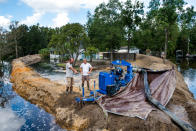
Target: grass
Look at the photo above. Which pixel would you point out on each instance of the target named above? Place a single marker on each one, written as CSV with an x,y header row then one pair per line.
x,y
61,65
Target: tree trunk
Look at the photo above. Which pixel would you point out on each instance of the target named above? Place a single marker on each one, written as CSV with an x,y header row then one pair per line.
x,y
129,41
91,58
166,44
76,58
60,57
188,50
0,55
128,48
111,55
16,47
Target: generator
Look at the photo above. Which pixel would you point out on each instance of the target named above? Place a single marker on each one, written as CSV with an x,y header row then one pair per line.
x,y
111,82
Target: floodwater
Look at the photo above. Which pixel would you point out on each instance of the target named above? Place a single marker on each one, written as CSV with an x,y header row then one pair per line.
x,y
188,69
17,114
59,76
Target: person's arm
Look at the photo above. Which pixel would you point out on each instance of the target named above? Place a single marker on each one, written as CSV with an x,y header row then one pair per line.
x,y
91,68
74,70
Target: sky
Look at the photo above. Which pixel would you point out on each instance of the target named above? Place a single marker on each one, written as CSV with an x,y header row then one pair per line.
x,y
51,13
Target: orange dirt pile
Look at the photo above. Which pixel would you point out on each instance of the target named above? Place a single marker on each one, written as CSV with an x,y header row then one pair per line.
x,y
51,96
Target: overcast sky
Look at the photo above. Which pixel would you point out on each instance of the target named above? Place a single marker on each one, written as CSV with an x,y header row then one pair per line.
x,y
53,13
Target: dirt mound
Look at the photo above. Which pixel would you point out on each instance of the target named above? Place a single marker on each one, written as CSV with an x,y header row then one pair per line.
x,y
51,96
151,62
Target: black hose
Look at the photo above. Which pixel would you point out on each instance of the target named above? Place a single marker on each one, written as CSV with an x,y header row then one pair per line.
x,y
185,126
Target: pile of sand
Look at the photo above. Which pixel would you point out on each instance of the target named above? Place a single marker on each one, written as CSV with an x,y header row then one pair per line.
x,y
51,96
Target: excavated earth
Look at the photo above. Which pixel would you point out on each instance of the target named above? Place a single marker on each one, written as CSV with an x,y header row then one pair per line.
x,y
50,96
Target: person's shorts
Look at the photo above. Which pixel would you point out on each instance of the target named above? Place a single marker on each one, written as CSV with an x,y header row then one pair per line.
x,y
69,81
85,78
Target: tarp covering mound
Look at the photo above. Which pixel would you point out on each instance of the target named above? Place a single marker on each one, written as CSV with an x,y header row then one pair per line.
x,y
131,100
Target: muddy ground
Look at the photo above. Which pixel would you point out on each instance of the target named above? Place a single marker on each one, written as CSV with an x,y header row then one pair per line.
x,y
51,96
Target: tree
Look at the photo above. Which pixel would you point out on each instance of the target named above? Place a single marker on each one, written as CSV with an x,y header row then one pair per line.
x,y
131,18
104,28
186,24
90,51
5,47
28,40
23,40
69,39
148,36
45,53
193,39
166,16
37,39
14,35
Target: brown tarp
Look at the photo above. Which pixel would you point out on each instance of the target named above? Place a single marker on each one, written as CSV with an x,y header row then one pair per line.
x,y
131,101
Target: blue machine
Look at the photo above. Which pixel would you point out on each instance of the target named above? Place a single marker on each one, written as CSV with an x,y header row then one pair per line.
x,y
110,82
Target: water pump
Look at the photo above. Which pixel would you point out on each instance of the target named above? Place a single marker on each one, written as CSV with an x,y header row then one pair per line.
x,y
110,83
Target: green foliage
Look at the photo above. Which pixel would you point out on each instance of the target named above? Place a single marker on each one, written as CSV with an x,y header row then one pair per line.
x,y
185,39
90,51
45,53
61,65
166,26
26,40
164,15
166,18
131,18
5,48
104,28
69,39
193,39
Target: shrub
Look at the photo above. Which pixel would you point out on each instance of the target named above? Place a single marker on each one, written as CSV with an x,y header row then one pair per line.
x,y
45,53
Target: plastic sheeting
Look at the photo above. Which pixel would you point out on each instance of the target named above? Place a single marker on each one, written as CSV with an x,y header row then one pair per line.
x,y
131,101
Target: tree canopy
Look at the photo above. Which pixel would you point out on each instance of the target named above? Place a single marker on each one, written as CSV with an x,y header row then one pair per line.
x,y
166,26
69,39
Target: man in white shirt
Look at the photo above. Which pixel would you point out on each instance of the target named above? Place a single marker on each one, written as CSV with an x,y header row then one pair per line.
x,y
85,69
69,75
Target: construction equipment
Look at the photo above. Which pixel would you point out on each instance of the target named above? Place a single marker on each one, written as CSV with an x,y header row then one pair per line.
x,y
110,82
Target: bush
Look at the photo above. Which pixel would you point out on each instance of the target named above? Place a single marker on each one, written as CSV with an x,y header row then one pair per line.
x,y
45,53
